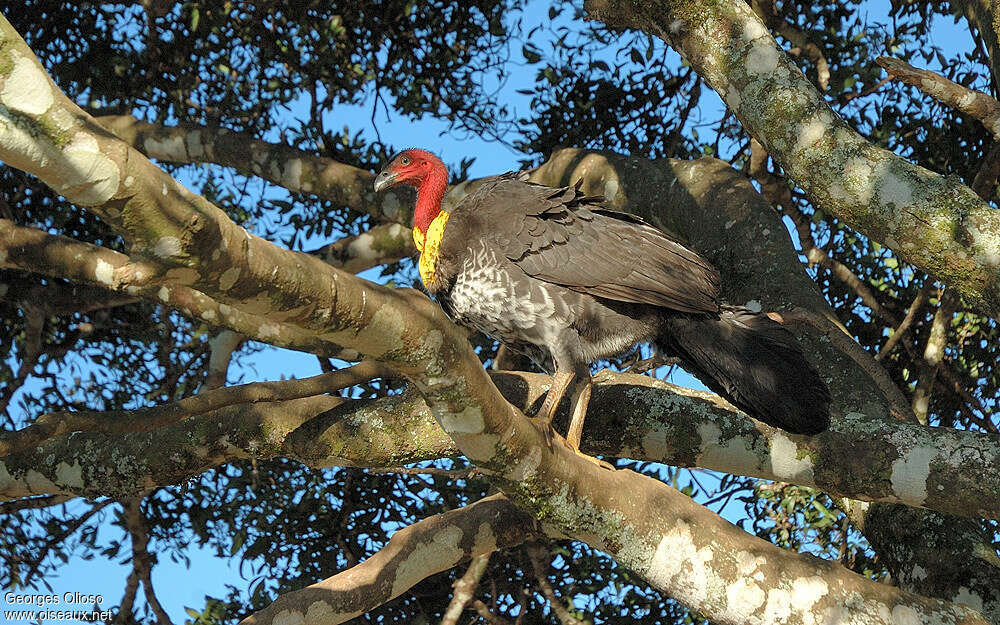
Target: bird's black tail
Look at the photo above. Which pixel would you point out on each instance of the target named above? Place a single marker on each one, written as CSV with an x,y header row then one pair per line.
x,y
754,363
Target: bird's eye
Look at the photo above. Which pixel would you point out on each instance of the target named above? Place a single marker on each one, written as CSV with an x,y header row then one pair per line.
x,y
405,160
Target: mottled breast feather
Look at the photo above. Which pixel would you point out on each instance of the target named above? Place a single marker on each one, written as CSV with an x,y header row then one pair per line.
x,y
562,236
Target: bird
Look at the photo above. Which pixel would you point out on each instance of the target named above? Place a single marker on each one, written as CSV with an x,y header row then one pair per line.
x,y
551,273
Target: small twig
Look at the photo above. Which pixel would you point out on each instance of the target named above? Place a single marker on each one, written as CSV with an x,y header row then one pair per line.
x,y
484,612
465,588
61,536
911,314
33,503
142,561
538,555
937,340
454,475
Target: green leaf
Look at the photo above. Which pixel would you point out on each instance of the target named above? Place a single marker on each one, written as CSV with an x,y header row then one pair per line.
x,y
195,18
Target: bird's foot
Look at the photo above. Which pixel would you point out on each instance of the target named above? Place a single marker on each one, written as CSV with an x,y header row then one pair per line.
x,y
597,461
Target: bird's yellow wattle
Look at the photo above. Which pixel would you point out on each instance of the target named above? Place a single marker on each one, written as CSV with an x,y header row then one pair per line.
x,y
418,239
428,247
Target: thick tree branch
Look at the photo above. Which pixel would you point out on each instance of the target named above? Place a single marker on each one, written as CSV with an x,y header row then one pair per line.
x,y
283,165
33,250
930,220
427,547
133,421
631,416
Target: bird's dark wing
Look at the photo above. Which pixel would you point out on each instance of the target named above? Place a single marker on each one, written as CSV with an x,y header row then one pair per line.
x,y
564,237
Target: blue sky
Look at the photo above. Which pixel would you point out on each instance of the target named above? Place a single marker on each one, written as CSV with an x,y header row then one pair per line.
x,y
179,586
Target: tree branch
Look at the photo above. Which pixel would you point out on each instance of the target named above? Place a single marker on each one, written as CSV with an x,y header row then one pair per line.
x,y
133,421
465,589
282,165
975,104
33,250
427,547
631,416
381,244
930,220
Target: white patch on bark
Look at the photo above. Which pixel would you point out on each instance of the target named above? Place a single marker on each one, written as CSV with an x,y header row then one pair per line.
x,y
438,554
469,421
610,190
194,145
806,592
675,26
68,475
763,58
527,466
753,29
289,617
910,472
169,148
753,306
27,89
809,133
919,573
292,176
6,479
38,483
858,173
268,330
167,247
733,98
104,272
751,565
969,598
678,564
229,278
163,294
895,190
779,605
743,597
785,464
90,178
731,455
905,615
208,315
390,205
486,540
988,247
320,612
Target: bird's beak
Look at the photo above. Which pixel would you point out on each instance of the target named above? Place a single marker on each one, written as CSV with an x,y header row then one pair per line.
x,y
385,180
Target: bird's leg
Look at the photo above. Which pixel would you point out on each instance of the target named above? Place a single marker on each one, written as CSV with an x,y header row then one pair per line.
x,y
560,382
579,401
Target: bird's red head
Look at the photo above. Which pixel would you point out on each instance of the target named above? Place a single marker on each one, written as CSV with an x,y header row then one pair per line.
x,y
420,169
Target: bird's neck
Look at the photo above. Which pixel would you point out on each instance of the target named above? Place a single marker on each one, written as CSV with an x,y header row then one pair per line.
x,y
429,196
